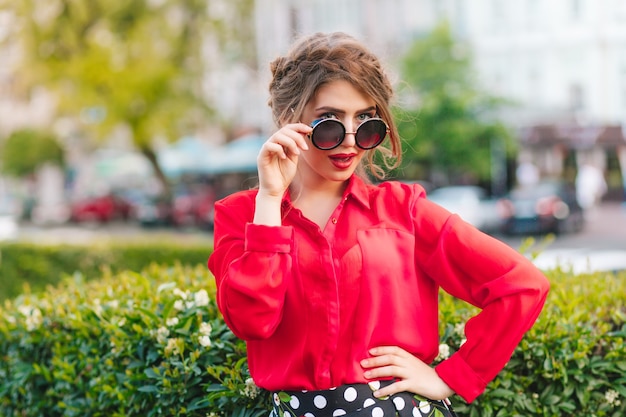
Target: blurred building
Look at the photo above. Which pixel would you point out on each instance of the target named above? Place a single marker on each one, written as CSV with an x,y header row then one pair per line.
x,y
562,61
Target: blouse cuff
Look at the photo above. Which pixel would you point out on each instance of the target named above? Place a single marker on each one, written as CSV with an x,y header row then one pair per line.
x,y
461,378
262,238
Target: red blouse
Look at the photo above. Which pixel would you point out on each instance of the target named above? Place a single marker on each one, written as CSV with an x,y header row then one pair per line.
x,y
310,303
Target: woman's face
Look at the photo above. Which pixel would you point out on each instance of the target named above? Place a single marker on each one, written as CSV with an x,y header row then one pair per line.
x,y
342,101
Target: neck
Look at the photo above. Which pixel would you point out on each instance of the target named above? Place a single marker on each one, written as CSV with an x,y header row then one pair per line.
x,y
315,190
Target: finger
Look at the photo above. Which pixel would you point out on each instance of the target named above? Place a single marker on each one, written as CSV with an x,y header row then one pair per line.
x,y
396,387
389,355
273,149
385,372
389,350
289,140
302,131
378,361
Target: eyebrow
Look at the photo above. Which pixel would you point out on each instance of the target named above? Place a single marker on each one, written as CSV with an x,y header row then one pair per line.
x,y
335,110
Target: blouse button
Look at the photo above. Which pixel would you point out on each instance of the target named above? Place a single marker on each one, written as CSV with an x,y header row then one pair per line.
x,y
334,220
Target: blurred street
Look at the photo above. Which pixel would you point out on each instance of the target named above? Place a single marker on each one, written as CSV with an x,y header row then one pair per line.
x,y
605,229
600,246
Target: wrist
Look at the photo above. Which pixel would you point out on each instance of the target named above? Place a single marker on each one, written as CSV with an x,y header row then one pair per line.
x,y
268,209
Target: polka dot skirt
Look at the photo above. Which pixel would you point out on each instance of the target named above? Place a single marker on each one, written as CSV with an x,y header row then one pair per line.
x,y
356,400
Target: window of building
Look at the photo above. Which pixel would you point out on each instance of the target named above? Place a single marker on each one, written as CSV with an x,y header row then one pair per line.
x,y
622,87
533,15
497,16
575,9
576,97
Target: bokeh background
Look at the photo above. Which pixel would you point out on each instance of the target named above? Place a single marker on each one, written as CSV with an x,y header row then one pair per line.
x,y
146,111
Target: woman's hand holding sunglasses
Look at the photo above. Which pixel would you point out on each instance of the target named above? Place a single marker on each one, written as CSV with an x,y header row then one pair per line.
x,y
278,159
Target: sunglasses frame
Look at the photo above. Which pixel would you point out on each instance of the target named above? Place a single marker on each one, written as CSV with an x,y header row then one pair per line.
x,y
316,123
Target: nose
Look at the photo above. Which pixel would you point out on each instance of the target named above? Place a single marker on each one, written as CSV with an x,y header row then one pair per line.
x,y
350,137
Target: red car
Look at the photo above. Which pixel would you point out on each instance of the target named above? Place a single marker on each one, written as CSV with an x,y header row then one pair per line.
x,y
103,209
193,206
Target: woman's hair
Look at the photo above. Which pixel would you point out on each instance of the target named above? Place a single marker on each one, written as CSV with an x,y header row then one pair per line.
x,y
322,58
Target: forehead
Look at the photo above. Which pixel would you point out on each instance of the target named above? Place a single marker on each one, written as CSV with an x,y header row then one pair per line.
x,y
340,94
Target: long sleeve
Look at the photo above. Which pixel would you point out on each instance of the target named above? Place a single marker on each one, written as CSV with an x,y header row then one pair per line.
x,y
507,287
251,264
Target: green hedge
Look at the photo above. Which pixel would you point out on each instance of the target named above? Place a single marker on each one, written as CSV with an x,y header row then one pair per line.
x,y
153,344
32,267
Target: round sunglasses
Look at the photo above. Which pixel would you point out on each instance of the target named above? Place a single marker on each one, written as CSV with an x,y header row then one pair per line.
x,y
329,133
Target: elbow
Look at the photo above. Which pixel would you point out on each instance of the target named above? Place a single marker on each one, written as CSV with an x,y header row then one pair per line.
x,y
246,329
248,322
542,285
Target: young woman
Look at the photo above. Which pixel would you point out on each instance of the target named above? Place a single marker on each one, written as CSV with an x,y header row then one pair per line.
x,y
333,281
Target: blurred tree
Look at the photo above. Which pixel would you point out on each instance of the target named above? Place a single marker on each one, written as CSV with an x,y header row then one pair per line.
x,y
445,121
140,64
26,150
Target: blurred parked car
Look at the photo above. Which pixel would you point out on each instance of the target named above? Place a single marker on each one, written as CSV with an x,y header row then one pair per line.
x,y
471,203
547,207
193,206
190,206
101,208
153,211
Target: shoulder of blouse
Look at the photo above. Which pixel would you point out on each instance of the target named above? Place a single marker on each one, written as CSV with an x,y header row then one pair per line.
x,y
238,197
399,190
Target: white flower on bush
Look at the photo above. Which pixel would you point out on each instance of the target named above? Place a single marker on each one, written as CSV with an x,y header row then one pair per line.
x,y
121,322
97,308
172,346
444,352
201,298
612,398
162,334
205,341
180,293
459,329
205,329
114,304
172,321
33,317
250,390
179,305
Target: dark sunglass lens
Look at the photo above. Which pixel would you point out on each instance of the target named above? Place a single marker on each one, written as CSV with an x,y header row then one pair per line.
x,y
371,133
328,134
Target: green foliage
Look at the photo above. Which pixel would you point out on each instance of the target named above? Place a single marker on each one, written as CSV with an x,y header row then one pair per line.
x,y
444,119
34,266
149,344
26,150
153,344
